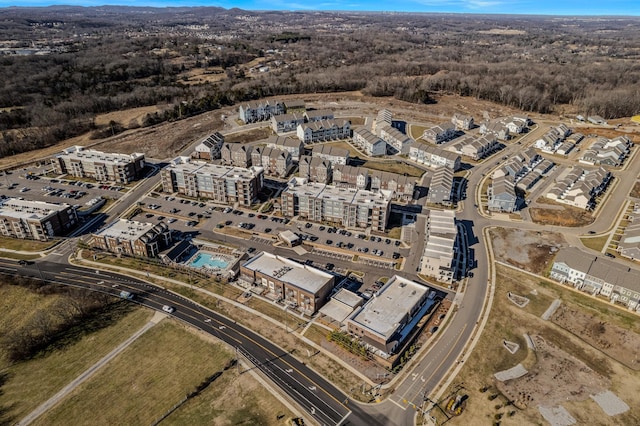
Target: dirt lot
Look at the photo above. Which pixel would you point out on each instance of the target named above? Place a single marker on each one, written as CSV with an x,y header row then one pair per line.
x,y
564,216
127,116
619,343
609,133
556,376
635,192
528,250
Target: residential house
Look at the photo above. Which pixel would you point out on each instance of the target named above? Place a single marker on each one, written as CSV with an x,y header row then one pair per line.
x,y
369,143
596,119
294,106
629,244
433,156
440,133
384,119
262,110
285,123
441,246
274,161
401,187
318,115
315,169
350,176
236,155
502,195
324,130
608,152
441,187
495,127
293,146
462,121
332,153
398,141
579,187
210,147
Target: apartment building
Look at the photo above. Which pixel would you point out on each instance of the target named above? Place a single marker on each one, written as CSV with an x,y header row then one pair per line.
x,y
598,276
434,156
315,169
236,155
223,184
324,130
384,323
103,167
35,220
441,246
210,147
347,207
133,238
332,153
370,144
300,286
274,161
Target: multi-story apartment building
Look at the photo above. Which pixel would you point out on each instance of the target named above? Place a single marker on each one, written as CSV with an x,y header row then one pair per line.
x,y
347,207
274,161
300,286
350,176
223,184
210,147
440,250
598,276
332,153
89,163
262,110
324,130
35,220
395,139
315,169
369,143
133,238
295,147
433,156
237,155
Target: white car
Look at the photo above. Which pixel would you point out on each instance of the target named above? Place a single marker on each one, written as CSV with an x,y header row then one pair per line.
x,y
168,309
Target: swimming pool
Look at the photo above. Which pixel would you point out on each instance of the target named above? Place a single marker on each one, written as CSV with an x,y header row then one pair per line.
x,y
207,260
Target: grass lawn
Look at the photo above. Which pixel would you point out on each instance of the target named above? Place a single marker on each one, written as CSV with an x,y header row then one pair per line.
x,y
30,383
417,131
156,372
25,245
344,145
249,136
595,243
394,167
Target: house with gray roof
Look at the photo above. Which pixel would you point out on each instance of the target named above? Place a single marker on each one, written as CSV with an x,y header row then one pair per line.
x,y
210,147
440,133
295,147
434,156
350,176
502,195
397,140
334,154
315,169
441,187
367,142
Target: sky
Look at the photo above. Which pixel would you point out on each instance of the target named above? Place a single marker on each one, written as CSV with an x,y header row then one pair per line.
x,y
529,7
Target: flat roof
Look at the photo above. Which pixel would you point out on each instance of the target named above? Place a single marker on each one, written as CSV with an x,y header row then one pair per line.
x,y
29,209
334,193
302,276
383,313
124,229
186,165
81,153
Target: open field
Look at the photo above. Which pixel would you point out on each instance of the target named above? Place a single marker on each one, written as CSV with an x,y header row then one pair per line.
x,y
585,368
25,245
127,116
27,384
564,216
249,136
528,250
595,243
155,373
394,167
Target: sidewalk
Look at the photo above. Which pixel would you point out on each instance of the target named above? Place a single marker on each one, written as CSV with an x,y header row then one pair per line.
x,y
87,374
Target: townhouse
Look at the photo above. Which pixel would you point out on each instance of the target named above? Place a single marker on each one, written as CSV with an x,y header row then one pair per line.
x,y
369,143
285,123
441,187
629,245
579,187
598,276
324,130
433,156
294,106
441,246
384,119
223,184
334,154
35,220
210,148
462,121
103,167
274,161
401,187
315,169
440,133
398,141
502,195
350,176
348,207
495,127
475,148
318,115
261,110
236,155
293,146
132,238
608,152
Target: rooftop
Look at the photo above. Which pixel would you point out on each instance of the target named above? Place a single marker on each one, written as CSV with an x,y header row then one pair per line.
x,y
186,165
29,209
130,230
80,153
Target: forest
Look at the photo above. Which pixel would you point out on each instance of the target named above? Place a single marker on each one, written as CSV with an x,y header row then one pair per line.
x,y
61,66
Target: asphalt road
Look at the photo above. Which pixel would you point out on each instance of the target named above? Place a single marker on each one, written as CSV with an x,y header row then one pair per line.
x,y
320,399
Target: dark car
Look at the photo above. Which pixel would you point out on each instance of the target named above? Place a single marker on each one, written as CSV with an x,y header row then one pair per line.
x,y
609,255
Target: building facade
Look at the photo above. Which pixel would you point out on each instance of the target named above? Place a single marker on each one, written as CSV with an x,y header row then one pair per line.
x,y
315,169
433,156
274,161
236,155
89,163
35,220
370,144
441,246
133,238
210,147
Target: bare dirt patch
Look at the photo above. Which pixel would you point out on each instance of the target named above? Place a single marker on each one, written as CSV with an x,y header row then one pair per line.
x,y
249,136
618,343
528,250
563,216
607,133
127,116
635,192
556,376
